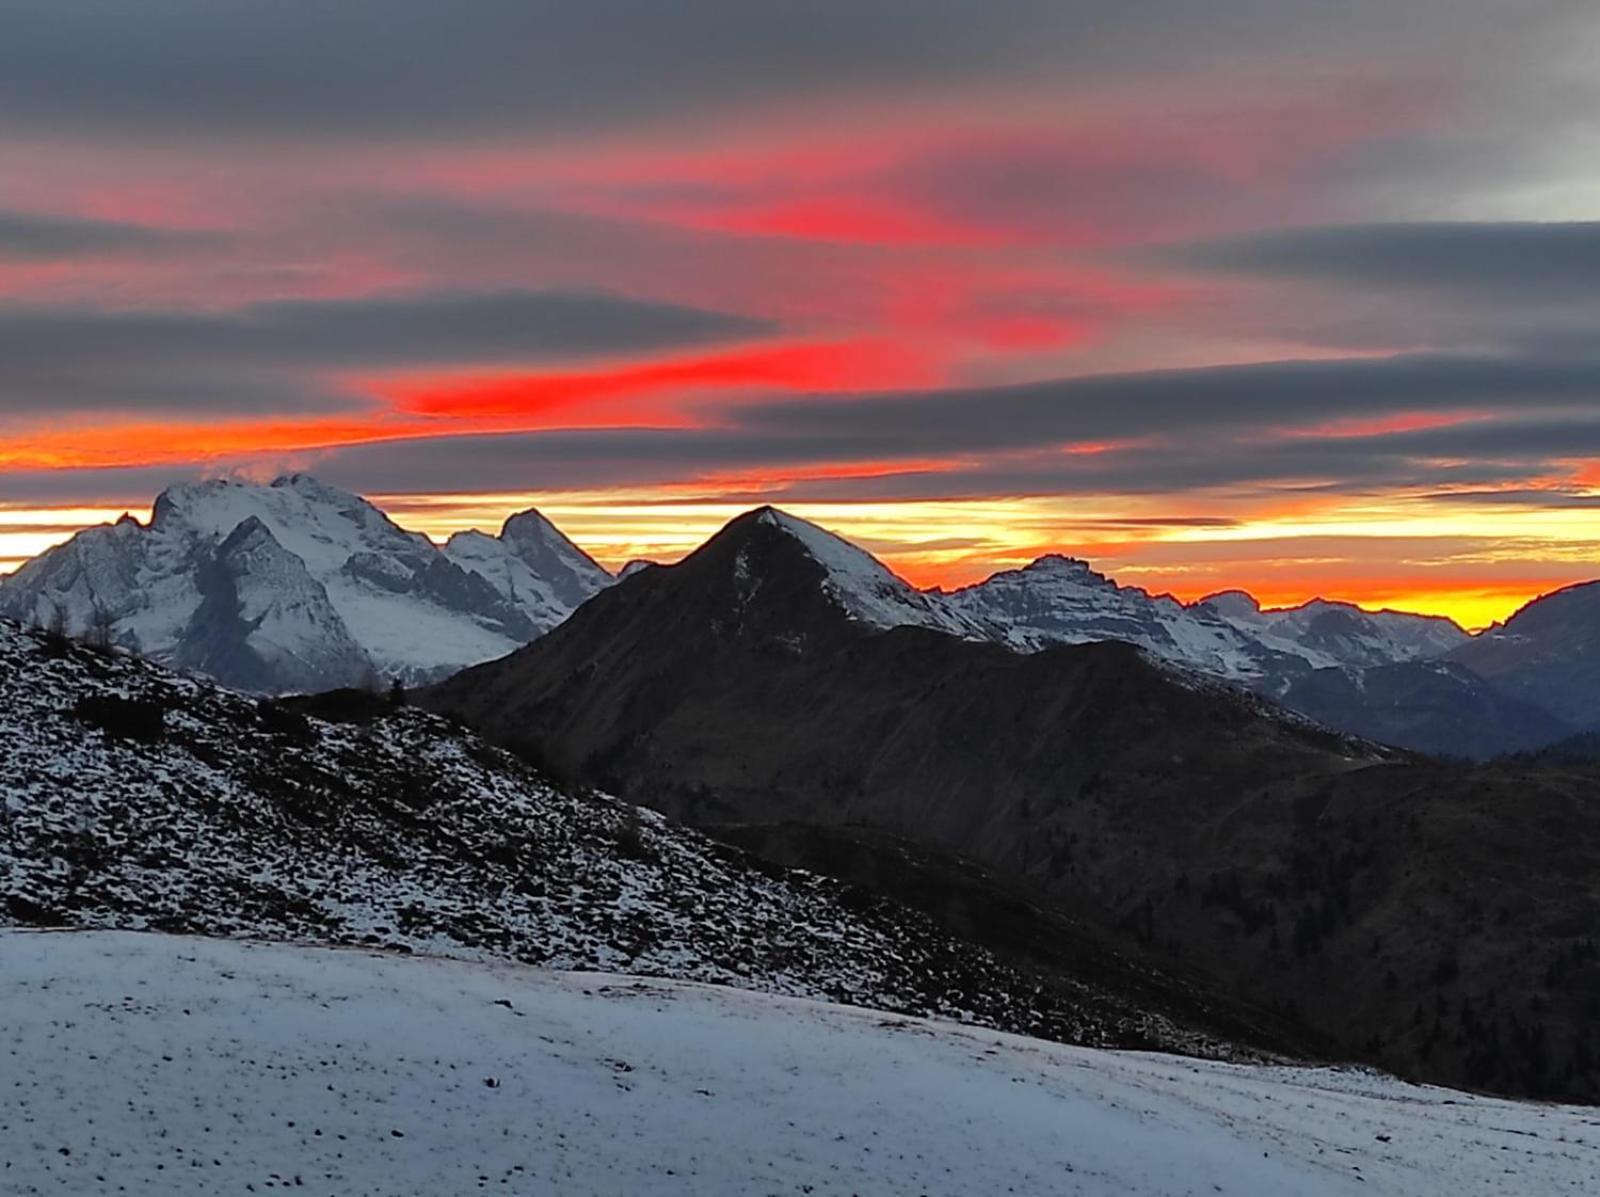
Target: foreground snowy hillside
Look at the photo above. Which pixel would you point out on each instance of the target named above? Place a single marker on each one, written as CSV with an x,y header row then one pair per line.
x,y
174,1065
134,797
299,585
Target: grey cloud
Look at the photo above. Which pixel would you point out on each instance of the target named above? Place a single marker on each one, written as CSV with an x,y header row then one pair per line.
x,y
308,69
1242,428
584,459
259,357
1518,497
33,236
1547,261
448,327
1257,397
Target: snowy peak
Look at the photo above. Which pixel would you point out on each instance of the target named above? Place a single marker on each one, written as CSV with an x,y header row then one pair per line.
x,y
858,583
298,584
1328,633
1061,600
532,566
1231,604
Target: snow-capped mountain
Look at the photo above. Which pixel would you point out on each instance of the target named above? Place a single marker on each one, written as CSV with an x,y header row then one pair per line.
x,y
133,797
1547,652
1333,634
298,585
1062,600
865,588
1375,674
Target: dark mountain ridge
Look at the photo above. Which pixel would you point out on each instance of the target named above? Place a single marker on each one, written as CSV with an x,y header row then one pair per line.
x,y
141,799
1433,918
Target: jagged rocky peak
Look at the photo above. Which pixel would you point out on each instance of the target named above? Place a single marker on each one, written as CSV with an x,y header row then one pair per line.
x,y
1058,565
341,593
531,563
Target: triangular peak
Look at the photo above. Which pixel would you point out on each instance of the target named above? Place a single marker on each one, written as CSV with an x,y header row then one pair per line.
x,y
866,589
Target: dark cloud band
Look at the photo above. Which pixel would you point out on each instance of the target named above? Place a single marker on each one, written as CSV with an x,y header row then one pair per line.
x,y
31,236
309,69
1550,260
261,357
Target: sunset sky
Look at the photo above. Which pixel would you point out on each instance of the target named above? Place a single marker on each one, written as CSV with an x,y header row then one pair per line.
x,y
1287,295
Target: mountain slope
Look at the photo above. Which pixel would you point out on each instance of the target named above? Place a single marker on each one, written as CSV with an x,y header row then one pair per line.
x,y
301,586
1060,600
1548,652
1437,707
137,798
1334,662
1348,887
1329,633
177,1077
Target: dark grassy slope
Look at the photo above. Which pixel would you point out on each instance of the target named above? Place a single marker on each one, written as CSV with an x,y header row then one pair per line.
x,y
1437,919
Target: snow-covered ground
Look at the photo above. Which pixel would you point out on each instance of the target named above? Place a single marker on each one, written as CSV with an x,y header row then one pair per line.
x,y
176,1065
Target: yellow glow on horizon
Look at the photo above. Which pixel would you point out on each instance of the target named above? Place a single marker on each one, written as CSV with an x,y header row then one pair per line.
x,y
28,531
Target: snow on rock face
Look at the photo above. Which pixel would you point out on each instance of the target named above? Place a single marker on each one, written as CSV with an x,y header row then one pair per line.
x,y
265,620
347,594
199,1066
1339,634
532,565
1060,600
867,589
136,798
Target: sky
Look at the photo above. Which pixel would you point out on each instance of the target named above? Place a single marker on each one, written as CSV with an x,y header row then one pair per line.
x,y
1284,295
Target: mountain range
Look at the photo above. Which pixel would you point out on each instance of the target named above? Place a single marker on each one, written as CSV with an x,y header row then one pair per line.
x,y
299,586
1046,803
779,678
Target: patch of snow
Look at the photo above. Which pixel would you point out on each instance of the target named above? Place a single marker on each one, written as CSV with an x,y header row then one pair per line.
x,y
866,588
175,1065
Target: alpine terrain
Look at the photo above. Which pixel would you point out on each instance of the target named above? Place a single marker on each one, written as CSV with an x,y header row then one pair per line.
x,y
1436,919
138,798
300,586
